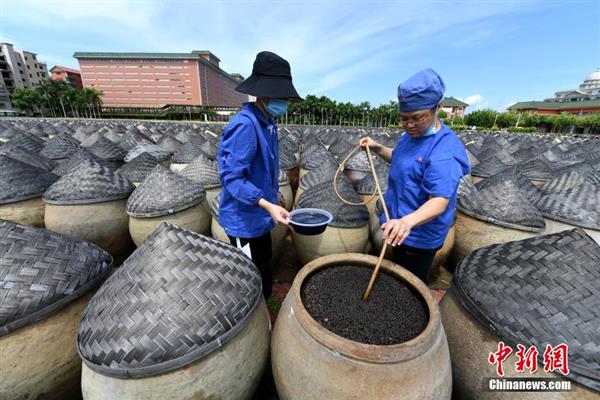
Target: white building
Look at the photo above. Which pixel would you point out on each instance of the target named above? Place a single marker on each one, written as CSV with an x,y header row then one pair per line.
x,y
19,69
588,90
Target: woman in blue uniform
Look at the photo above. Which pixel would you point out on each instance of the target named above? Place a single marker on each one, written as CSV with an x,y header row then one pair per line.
x,y
248,161
426,167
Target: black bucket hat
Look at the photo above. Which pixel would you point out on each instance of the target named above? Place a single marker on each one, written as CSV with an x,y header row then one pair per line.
x,y
271,77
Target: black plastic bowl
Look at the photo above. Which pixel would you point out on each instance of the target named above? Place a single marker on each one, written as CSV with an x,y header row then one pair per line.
x,y
310,221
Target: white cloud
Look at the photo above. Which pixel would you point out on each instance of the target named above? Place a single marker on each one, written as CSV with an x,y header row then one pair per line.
x,y
476,102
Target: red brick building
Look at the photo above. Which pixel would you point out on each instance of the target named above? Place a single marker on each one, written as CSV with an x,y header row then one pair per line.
x,y
69,75
160,79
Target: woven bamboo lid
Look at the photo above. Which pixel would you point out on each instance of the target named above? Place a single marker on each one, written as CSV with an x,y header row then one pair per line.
x,y
42,272
178,298
90,183
538,291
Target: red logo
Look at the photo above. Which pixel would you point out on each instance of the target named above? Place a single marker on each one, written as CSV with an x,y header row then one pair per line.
x,y
526,359
556,359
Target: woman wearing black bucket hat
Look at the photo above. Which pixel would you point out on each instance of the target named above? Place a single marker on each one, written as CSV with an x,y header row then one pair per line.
x,y
249,163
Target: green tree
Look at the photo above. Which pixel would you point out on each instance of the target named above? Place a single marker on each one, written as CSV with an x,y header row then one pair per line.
x,y
562,121
442,114
481,118
506,119
26,100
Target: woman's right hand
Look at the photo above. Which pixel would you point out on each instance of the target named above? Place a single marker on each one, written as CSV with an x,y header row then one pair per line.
x,y
279,214
368,142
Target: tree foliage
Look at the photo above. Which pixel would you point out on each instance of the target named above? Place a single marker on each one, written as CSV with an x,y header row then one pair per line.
x,y
56,98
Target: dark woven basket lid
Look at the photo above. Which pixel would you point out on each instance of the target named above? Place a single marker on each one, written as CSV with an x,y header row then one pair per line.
x,y
514,175
32,158
537,168
488,167
187,153
204,171
318,158
578,205
20,181
139,168
178,298
154,150
113,136
60,146
341,147
359,162
473,160
91,182
524,154
75,160
575,175
184,136
132,139
28,141
42,272
502,155
502,204
367,184
169,143
287,160
10,132
209,148
107,150
311,154
324,197
89,140
538,291
321,174
164,192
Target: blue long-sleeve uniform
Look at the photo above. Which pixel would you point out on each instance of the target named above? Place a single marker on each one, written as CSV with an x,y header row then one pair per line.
x,y
248,161
425,167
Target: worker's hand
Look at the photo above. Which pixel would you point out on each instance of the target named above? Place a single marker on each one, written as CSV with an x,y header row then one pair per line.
x,y
279,214
396,231
367,141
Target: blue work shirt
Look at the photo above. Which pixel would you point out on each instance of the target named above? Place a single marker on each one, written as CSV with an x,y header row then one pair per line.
x,y
423,167
249,170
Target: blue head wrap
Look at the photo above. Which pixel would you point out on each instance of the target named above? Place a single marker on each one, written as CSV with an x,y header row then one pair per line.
x,y
422,91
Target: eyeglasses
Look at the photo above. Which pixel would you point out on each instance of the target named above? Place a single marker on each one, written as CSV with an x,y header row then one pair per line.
x,y
416,119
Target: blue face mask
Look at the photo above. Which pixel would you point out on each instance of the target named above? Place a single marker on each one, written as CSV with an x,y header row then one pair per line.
x,y
431,130
276,107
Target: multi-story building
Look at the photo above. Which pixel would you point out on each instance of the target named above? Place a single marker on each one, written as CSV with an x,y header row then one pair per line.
x,y
584,100
34,71
160,79
6,83
71,76
19,69
453,107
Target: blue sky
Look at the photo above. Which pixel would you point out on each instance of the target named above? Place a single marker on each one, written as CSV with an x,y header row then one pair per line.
x,y
490,53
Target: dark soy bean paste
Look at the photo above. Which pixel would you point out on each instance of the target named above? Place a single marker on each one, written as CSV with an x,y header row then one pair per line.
x,y
394,313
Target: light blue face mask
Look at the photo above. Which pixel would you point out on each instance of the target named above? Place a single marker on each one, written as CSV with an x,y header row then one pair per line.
x,y
276,107
431,130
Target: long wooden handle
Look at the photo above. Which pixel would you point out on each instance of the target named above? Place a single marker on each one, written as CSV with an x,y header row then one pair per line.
x,y
378,191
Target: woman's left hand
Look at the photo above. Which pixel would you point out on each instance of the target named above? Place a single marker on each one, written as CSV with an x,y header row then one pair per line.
x,y
395,231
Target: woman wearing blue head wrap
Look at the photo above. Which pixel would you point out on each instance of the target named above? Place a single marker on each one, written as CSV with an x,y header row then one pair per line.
x,y
426,167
